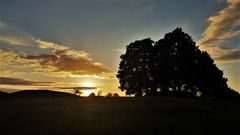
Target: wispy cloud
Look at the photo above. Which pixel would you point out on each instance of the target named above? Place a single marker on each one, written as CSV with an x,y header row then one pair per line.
x,y
17,81
62,50
14,36
6,59
7,73
64,59
223,26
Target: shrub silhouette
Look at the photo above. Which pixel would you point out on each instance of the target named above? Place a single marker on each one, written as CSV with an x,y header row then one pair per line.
x,y
99,93
115,95
172,66
92,94
109,94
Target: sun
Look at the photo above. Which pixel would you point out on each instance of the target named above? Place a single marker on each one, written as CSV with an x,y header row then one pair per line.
x,y
86,92
88,84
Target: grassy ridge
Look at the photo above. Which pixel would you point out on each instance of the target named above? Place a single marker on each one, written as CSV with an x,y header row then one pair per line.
x,y
118,116
26,94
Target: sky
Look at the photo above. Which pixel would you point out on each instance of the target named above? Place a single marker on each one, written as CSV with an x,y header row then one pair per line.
x,y
49,44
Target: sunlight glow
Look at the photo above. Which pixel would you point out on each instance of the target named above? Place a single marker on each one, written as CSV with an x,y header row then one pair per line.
x,y
88,84
86,92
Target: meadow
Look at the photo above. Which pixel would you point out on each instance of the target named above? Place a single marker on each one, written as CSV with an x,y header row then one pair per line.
x,y
118,116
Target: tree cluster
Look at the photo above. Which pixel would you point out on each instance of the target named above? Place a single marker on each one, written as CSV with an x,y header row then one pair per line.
x,y
172,66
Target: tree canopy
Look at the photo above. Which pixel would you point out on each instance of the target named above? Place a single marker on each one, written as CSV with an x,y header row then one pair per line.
x,y
172,66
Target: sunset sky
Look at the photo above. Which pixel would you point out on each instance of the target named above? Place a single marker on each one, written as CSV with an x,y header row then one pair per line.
x,y
63,43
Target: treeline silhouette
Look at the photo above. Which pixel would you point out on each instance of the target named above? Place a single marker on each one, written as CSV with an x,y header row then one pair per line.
x,y
172,66
109,94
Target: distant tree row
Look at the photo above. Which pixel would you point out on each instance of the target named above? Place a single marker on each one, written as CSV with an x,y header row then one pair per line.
x,y
99,94
172,66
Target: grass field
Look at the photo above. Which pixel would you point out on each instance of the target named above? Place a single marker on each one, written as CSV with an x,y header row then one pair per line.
x,y
119,116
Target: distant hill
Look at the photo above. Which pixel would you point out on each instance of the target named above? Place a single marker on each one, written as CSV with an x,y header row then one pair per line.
x,y
35,94
3,94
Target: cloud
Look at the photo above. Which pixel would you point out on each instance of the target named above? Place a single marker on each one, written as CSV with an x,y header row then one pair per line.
x,y
17,81
61,62
232,55
64,59
79,88
61,50
110,76
15,36
7,58
7,73
223,26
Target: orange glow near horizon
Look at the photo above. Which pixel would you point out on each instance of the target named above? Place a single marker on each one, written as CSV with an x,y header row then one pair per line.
x,y
88,84
86,92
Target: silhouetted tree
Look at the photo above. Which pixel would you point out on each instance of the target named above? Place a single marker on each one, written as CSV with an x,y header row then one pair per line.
x,y
175,62
134,69
210,79
173,66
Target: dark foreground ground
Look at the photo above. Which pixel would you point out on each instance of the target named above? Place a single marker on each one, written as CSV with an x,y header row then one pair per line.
x,y
118,116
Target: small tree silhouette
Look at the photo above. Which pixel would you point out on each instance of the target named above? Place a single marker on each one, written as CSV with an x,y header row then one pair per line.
x,y
92,94
109,94
115,95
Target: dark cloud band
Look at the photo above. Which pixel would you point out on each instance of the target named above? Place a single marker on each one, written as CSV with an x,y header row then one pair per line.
x,y
17,81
